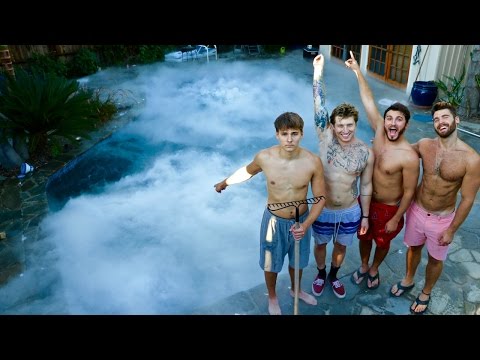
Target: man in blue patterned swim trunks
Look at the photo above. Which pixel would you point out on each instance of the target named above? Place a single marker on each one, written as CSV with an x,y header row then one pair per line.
x,y
346,160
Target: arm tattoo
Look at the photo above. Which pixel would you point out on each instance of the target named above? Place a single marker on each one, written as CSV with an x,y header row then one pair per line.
x,y
320,111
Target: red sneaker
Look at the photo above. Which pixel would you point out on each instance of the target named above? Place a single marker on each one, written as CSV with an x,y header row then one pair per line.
x,y
318,285
338,288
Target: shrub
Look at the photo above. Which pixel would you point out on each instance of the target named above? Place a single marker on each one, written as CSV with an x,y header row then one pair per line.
x,y
150,53
272,49
39,64
84,63
115,54
38,107
104,110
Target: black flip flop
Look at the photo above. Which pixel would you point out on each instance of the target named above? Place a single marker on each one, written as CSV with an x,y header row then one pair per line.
x,y
360,276
372,279
420,302
401,287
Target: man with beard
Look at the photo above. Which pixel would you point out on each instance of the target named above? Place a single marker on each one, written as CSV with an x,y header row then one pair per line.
x,y
345,159
449,166
395,177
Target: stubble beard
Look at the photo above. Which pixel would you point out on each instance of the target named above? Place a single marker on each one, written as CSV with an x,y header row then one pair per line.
x,y
450,130
400,133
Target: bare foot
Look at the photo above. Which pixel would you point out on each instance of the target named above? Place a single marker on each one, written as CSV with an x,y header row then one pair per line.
x,y
273,307
302,295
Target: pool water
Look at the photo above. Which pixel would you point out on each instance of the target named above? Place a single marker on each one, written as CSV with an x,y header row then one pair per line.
x,y
135,225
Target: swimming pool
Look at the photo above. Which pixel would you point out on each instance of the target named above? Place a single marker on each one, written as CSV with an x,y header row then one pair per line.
x,y
135,224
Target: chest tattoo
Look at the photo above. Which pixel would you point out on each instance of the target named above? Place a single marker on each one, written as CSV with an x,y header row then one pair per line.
x,y
352,158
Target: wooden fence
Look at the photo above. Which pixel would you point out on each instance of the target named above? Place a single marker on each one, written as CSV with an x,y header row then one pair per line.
x,y
21,53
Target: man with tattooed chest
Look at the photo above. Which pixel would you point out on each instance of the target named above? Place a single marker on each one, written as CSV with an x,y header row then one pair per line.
x,y
395,177
449,166
346,160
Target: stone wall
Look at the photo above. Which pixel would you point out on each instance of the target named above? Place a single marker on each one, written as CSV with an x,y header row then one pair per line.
x,y
470,107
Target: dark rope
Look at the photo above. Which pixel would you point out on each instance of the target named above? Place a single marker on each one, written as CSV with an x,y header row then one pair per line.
x,y
416,57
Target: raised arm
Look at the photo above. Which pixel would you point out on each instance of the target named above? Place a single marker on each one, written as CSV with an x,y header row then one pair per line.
x,y
366,191
320,111
240,175
410,171
374,117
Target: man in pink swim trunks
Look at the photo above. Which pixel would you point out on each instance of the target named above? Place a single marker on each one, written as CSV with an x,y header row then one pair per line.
x,y
449,166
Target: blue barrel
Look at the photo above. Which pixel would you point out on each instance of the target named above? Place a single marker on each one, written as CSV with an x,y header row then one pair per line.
x,y
424,93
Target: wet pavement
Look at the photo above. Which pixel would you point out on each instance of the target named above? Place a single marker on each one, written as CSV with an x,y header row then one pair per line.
x,y
23,205
457,291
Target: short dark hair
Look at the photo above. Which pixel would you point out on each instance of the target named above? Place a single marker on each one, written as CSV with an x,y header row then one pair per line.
x,y
396,106
440,105
289,120
344,110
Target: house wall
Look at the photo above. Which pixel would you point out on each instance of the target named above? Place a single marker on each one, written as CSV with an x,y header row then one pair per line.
x,y
436,62
451,61
426,69
325,50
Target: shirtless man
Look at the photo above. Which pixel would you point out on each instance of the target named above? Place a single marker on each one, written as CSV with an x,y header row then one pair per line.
x,y
289,170
346,159
449,166
395,177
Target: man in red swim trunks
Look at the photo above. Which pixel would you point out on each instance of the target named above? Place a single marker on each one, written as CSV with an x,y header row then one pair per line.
x,y
395,177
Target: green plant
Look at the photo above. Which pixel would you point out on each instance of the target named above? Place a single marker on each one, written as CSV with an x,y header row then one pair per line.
x,y
84,63
47,64
37,107
104,110
477,80
55,147
115,54
150,53
131,54
272,49
454,91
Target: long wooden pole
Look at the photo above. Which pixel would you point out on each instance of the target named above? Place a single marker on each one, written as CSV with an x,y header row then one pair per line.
x,y
297,265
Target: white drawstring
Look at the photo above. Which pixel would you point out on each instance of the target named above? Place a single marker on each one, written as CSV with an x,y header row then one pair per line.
x,y
335,232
